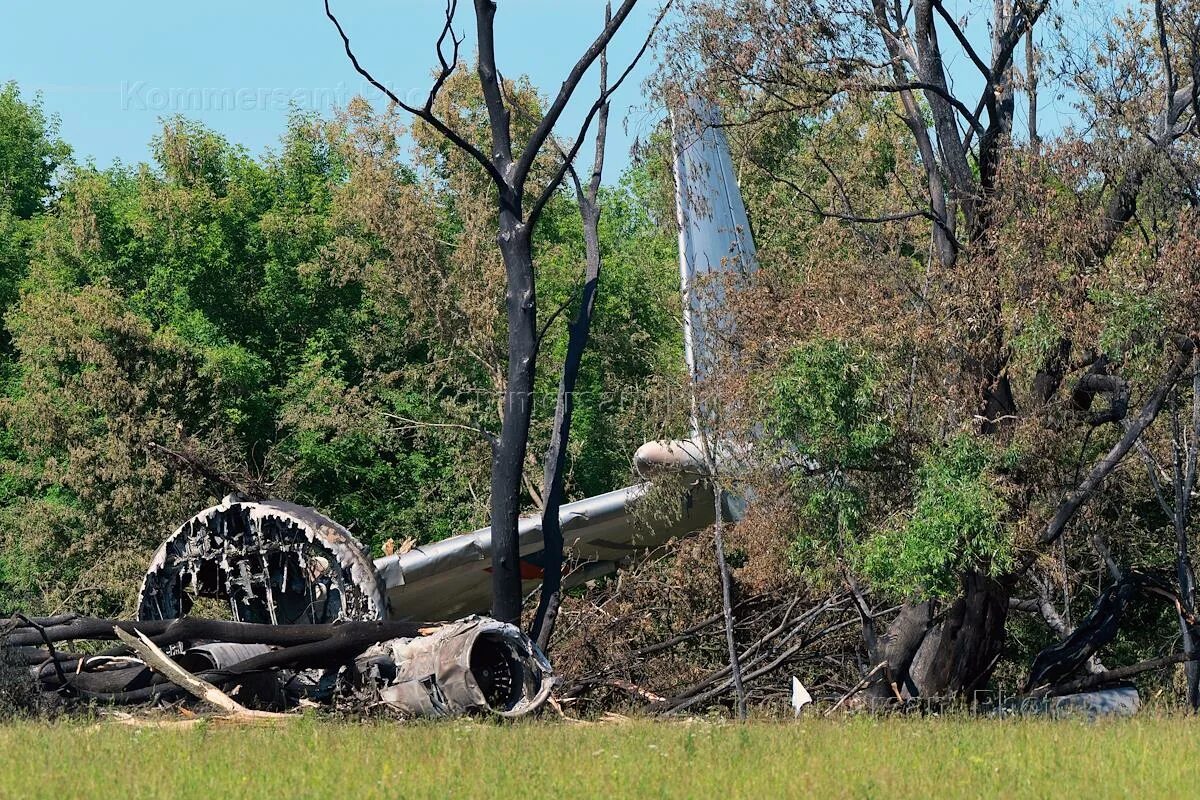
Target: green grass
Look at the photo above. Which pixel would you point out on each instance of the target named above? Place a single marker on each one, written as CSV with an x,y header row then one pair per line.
x,y
1146,757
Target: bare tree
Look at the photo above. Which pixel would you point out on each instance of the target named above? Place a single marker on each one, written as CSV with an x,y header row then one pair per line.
x,y
588,199
519,205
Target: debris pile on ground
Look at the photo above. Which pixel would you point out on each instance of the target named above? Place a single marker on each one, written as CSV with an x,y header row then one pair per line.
x,y
474,665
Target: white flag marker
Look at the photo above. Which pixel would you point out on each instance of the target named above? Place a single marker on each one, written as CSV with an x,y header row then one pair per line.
x,y
800,696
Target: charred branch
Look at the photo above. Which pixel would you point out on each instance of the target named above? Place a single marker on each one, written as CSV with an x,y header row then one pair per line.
x,y
1057,662
176,631
1098,381
210,473
1113,675
598,108
425,112
1075,500
578,331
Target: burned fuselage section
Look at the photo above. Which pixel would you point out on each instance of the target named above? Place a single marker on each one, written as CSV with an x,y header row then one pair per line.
x,y
279,564
264,562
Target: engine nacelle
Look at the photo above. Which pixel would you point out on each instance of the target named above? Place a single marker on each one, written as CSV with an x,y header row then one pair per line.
x,y
471,666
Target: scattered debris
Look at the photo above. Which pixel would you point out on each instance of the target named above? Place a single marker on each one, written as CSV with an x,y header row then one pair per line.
x,y
250,671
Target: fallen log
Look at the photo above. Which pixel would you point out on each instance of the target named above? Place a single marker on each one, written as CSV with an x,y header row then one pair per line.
x,y
175,631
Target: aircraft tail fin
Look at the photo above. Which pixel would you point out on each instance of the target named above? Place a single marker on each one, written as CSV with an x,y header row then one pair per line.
x,y
715,240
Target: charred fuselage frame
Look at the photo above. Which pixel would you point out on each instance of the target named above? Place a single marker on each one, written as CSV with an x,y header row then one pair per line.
x,y
271,562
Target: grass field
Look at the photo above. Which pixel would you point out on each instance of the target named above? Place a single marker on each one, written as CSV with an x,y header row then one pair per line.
x,y
1147,757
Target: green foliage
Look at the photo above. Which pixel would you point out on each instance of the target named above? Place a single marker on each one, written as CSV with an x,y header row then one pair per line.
x,y
1038,337
287,319
825,409
30,153
1133,317
956,524
92,387
831,517
825,403
30,156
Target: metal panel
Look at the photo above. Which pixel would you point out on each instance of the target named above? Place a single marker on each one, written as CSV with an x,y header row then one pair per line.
x,y
452,577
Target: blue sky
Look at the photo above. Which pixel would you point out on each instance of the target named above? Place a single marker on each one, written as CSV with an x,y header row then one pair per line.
x,y
112,70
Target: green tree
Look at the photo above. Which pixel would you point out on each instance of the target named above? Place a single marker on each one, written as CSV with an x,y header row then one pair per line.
x,y
30,153
323,323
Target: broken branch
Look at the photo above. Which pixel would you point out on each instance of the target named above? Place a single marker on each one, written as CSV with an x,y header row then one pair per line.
x,y
198,688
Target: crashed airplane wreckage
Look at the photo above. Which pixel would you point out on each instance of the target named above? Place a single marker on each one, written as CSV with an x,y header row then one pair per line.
x,y
315,618
283,564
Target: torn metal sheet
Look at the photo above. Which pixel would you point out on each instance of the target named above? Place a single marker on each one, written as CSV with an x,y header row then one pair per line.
x,y
475,665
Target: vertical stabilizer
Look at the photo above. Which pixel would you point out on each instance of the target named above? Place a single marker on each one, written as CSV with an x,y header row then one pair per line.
x,y
715,242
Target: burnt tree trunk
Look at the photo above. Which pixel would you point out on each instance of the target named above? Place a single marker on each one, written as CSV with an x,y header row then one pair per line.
x,y
896,649
947,652
578,333
1187,630
508,457
556,455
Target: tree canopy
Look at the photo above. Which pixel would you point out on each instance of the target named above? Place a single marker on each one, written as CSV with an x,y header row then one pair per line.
x,y
324,323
